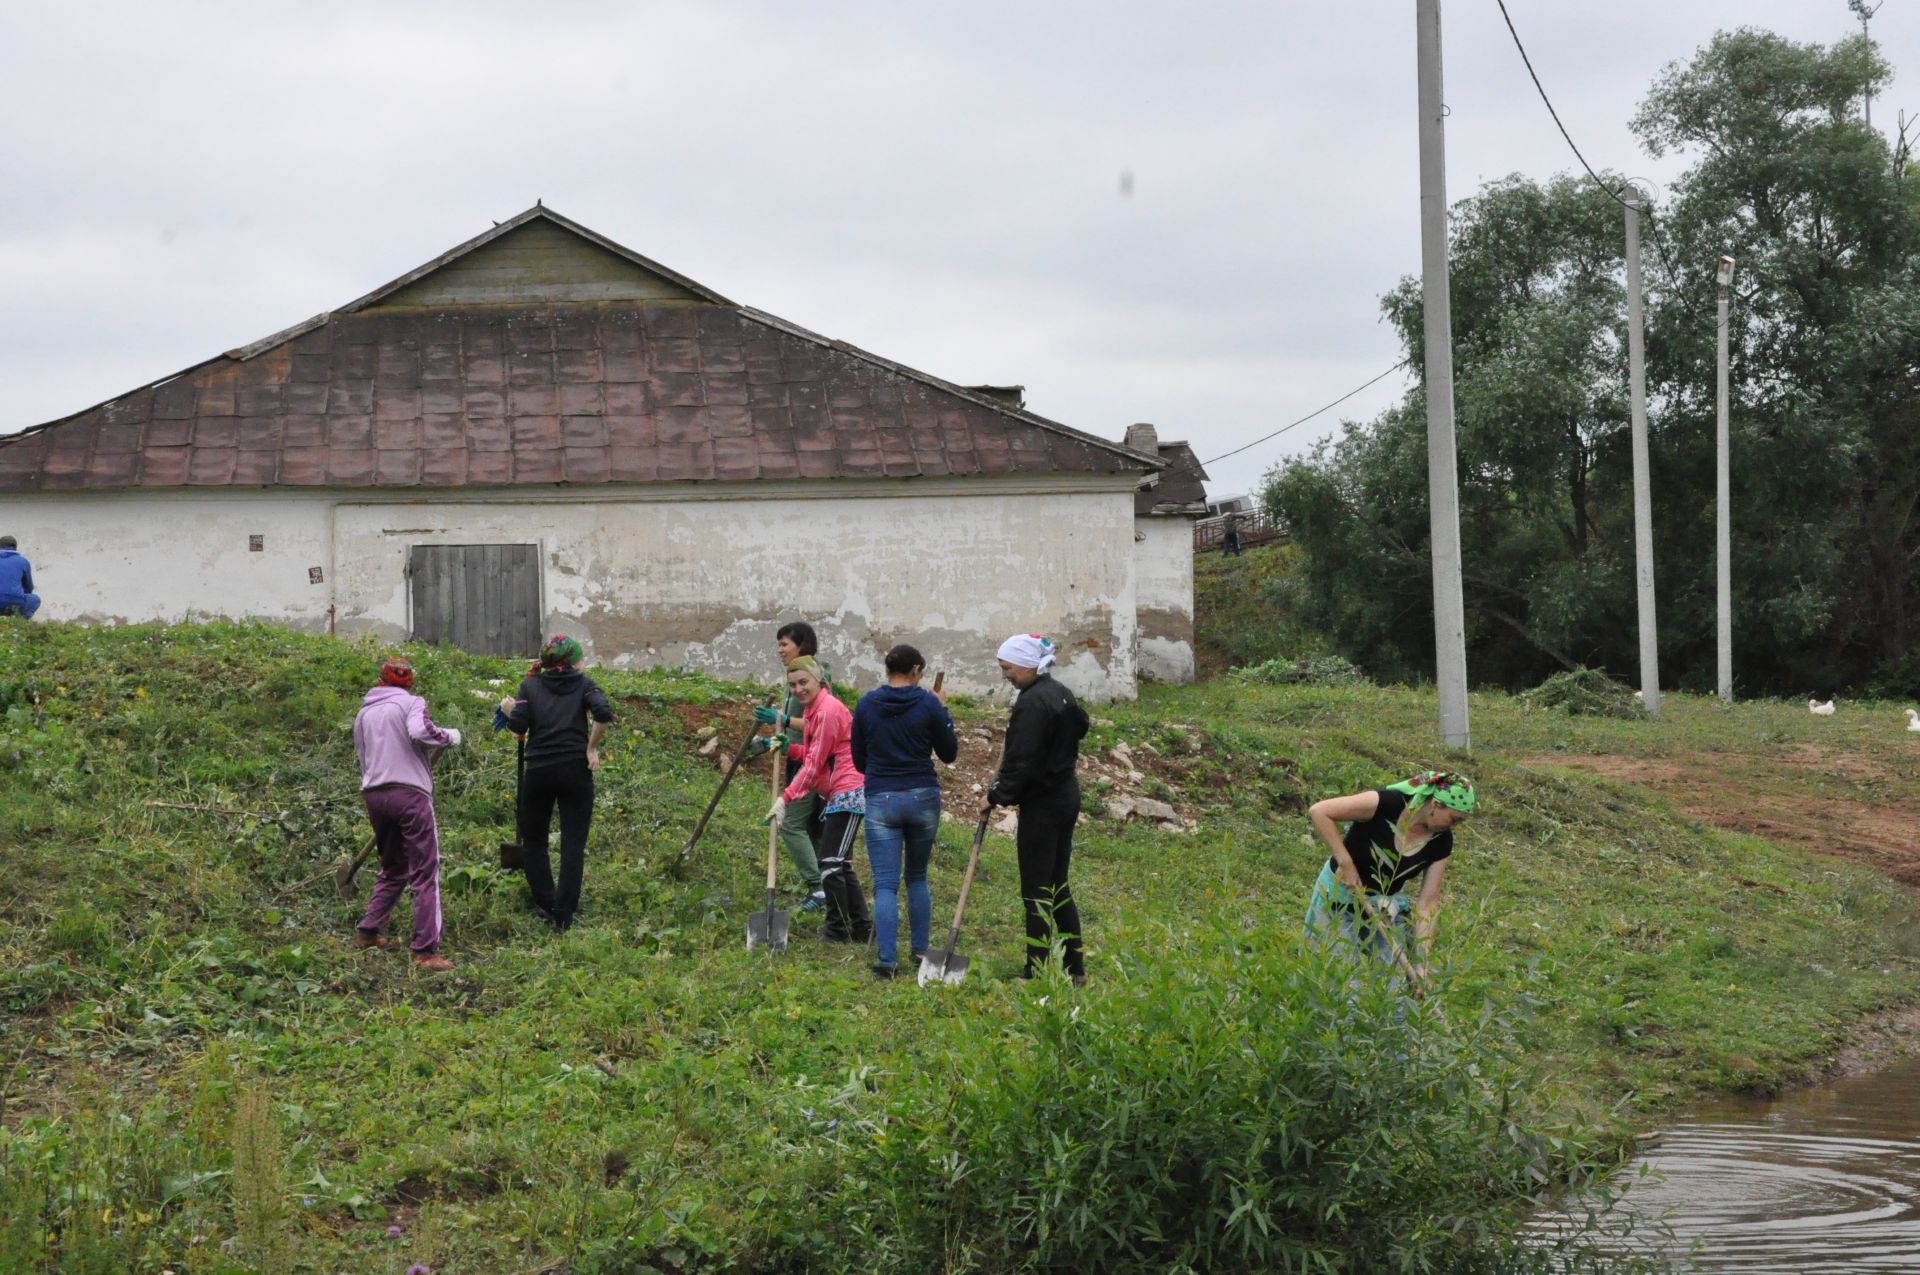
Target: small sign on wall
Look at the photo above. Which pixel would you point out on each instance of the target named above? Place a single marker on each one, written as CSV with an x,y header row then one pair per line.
x,y
256,544
316,576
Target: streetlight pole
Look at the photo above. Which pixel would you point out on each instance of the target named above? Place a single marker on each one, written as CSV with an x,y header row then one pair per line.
x,y
1642,488
1443,483
1723,499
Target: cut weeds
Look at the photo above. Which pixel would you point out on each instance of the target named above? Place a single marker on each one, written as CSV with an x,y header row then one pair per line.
x,y
201,1075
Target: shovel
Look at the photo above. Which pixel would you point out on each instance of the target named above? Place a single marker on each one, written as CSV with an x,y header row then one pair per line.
x,y
511,854
347,869
945,966
768,929
740,755
1416,981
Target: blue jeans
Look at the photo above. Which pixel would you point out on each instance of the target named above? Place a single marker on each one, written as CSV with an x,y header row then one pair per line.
x,y
901,825
22,604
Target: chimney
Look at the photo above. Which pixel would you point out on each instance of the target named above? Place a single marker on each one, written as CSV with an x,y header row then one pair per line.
x,y
1014,396
1142,438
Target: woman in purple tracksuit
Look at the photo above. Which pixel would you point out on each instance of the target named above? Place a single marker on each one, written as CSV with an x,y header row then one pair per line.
x,y
397,742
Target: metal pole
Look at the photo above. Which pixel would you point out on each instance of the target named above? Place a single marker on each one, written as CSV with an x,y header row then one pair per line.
x,y
1642,490
1443,484
1723,501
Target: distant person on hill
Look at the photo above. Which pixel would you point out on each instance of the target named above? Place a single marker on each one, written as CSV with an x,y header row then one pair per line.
x,y
800,827
1037,775
16,581
829,773
397,742
898,729
1230,542
563,715
1397,837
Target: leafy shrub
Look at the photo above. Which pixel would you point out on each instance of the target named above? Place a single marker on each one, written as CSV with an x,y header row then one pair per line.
x,y
1584,692
1249,1102
1308,670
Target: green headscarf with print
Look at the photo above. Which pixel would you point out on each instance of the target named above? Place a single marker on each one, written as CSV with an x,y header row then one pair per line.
x,y
1449,788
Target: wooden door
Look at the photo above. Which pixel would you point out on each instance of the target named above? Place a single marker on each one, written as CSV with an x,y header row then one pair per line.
x,y
480,598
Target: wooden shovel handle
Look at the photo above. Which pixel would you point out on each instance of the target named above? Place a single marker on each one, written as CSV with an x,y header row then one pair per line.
x,y
966,882
773,825
1415,980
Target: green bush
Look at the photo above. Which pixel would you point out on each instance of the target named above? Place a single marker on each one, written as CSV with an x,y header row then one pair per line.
x,y
1308,670
1246,1102
1584,692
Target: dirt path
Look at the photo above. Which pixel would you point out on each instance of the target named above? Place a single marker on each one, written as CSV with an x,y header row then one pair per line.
x,y
1829,800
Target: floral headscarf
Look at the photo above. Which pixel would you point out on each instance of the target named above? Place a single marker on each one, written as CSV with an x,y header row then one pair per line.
x,y
560,653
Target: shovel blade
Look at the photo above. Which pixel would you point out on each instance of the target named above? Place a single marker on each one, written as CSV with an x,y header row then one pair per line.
x,y
942,968
343,878
768,930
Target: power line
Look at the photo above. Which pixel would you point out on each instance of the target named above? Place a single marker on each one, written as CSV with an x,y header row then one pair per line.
x,y
1541,89
1658,245
1310,415
1198,465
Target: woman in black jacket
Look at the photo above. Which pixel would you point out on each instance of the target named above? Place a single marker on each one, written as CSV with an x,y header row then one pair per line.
x,y
551,713
1037,775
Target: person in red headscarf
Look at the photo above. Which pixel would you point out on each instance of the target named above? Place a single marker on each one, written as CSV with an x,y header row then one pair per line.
x,y
397,743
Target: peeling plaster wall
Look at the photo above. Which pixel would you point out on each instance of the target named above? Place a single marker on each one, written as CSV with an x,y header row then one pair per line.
x,y
137,558
699,577
1163,550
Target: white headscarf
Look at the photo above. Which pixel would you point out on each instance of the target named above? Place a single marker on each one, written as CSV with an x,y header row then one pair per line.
x,y
1028,650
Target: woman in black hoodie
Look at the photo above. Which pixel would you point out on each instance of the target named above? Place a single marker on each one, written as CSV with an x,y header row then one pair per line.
x,y
551,713
898,729
1037,775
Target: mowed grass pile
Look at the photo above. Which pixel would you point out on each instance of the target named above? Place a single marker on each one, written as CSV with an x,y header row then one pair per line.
x,y
200,1074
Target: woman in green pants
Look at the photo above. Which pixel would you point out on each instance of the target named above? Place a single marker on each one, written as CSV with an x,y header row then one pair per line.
x,y
800,825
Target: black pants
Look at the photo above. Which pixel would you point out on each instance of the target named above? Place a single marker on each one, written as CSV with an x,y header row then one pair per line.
x,y
1045,843
847,918
568,784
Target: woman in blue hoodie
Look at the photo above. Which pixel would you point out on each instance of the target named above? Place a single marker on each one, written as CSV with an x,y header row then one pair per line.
x,y
898,729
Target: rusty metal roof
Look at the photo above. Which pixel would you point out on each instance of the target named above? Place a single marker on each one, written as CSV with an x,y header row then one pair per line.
x,y
1180,488
574,392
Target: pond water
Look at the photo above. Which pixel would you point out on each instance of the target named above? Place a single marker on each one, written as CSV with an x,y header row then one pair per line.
x,y
1824,1180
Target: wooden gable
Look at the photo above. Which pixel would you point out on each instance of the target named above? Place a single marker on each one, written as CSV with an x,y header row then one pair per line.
x,y
534,263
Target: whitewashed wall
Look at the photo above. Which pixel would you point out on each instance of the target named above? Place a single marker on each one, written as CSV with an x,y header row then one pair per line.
x,y
1163,554
695,576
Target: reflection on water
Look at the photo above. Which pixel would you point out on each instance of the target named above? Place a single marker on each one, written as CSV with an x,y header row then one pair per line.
x,y
1820,1181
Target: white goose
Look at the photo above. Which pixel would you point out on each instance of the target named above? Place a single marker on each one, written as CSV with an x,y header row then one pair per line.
x,y
1818,709
1913,720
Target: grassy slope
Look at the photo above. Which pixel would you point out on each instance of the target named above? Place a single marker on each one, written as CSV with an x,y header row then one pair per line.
x,y
148,952
1240,613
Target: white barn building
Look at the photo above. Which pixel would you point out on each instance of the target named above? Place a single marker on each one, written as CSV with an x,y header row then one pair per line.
x,y
544,431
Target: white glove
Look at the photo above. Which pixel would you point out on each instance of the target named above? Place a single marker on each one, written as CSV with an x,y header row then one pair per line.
x,y
776,810
454,735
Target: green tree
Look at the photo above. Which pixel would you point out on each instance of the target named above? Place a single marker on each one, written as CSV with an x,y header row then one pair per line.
x,y
1822,214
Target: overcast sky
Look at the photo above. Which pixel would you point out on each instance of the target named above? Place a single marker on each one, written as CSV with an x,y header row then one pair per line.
x,y
939,184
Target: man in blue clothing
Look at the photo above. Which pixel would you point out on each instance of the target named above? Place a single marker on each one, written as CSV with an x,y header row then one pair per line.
x,y
16,581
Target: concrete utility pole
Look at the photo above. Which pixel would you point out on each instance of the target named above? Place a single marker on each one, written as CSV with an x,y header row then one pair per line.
x,y
1723,501
1443,481
1642,488
1865,13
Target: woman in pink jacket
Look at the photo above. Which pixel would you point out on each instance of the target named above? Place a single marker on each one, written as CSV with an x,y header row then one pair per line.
x,y
829,772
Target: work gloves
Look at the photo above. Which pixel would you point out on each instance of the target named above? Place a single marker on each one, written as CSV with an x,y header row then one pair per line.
x,y
454,735
776,811
768,715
